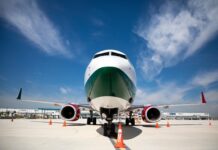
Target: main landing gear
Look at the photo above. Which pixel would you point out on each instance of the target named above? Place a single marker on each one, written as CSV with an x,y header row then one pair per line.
x,y
130,119
91,119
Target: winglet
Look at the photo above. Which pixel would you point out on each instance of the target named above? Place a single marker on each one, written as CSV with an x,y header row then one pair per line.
x,y
19,95
203,99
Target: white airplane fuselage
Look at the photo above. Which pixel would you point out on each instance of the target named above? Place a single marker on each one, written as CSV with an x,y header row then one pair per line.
x,y
110,81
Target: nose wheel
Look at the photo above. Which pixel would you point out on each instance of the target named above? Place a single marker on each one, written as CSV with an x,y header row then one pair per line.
x,y
109,129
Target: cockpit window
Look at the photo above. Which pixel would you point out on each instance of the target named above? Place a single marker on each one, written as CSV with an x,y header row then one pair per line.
x,y
119,55
101,54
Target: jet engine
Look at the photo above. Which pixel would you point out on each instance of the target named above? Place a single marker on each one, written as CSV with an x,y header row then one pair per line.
x,y
151,114
70,112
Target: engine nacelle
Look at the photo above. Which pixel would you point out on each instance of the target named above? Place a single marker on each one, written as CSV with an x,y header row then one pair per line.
x,y
151,114
70,112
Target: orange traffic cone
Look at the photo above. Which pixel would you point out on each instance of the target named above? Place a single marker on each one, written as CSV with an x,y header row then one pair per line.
x,y
65,123
120,143
50,122
168,124
157,125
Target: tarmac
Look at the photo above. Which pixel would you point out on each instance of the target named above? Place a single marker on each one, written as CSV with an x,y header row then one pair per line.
x,y
37,134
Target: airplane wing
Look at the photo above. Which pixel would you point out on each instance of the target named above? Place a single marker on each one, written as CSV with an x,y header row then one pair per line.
x,y
166,106
203,101
19,98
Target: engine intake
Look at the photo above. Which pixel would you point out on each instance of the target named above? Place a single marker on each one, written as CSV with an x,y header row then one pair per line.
x,y
70,112
151,114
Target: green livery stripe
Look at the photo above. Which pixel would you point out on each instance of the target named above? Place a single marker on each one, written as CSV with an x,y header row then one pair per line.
x,y
110,81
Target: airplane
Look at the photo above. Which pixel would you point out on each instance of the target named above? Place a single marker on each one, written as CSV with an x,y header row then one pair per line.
x,y
110,87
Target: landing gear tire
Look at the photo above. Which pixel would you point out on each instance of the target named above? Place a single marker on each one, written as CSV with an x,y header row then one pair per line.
x,y
105,129
94,121
109,130
132,121
91,120
127,121
88,121
112,130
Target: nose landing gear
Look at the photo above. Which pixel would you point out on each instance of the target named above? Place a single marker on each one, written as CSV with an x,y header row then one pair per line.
x,y
108,114
109,129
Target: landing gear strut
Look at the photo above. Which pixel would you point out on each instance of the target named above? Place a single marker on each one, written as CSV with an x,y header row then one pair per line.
x,y
91,119
130,119
109,127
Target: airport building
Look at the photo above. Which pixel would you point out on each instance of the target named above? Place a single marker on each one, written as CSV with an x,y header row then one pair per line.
x,y
7,113
185,116
45,113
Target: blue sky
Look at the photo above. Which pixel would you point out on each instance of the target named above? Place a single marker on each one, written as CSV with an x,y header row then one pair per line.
x,y
46,46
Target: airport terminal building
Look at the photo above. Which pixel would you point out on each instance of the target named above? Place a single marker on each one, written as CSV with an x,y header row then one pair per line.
x,y
7,113
185,116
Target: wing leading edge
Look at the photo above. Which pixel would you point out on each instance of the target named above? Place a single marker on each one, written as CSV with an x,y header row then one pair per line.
x,y
19,98
203,101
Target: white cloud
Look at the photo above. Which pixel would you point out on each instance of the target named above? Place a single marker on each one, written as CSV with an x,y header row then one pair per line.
x,y
30,20
65,90
29,81
205,79
3,78
206,14
172,36
164,94
173,93
212,95
97,22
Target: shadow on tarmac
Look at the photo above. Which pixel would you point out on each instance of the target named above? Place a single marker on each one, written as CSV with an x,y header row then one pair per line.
x,y
129,132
